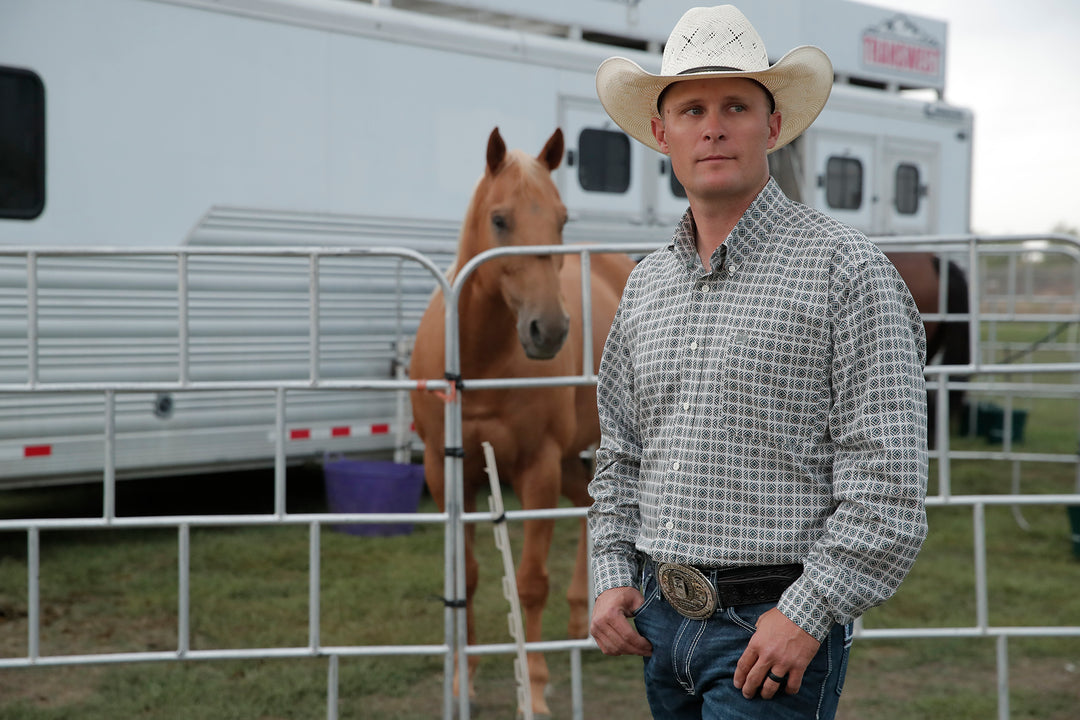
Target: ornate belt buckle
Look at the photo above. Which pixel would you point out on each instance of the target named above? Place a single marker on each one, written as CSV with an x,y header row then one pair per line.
x,y
687,590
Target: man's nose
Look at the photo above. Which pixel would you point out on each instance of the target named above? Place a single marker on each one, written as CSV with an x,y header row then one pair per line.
x,y
713,127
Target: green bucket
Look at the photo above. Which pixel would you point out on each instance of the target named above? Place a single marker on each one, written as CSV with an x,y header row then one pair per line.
x,y
990,423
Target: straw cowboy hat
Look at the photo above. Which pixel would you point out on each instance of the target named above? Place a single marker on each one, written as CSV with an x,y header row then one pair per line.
x,y
717,42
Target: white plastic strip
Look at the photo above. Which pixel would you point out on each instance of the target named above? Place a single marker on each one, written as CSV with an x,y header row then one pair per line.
x,y
502,542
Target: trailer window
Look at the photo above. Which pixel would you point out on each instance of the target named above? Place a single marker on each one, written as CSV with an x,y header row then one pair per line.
x,y
22,144
677,188
603,161
907,189
843,183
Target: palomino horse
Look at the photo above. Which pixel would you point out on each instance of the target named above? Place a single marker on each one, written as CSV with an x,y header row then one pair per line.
x,y
947,341
520,316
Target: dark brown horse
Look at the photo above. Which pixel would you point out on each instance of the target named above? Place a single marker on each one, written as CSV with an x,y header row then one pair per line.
x,y
520,316
947,341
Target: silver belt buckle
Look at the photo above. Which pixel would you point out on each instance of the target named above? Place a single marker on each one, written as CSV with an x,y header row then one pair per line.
x,y
687,590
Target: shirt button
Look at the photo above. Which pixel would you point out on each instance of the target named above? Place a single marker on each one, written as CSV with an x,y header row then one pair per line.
x,y
705,288
669,525
675,465
693,345
686,406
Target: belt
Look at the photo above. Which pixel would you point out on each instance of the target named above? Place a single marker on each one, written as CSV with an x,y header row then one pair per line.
x,y
697,592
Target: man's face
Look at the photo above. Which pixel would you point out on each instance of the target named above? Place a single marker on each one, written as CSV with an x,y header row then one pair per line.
x,y
718,132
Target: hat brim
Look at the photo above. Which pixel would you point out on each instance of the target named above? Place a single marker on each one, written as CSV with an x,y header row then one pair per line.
x,y
800,83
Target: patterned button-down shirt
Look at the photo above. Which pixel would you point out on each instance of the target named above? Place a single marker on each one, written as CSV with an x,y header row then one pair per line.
x,y
769,409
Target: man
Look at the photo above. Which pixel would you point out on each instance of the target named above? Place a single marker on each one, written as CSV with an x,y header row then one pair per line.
x,y
761,479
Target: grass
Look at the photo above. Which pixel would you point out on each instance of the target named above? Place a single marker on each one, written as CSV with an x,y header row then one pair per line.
x,y
115,591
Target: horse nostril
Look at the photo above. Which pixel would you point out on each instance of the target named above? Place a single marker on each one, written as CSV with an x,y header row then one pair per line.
x,y
542,337
536,333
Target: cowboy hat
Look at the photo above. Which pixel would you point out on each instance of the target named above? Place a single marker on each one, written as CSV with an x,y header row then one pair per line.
x,y
717,42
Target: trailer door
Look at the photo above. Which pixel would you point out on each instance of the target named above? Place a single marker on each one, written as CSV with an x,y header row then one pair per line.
x,y
843,165
602,173
671,201
909,174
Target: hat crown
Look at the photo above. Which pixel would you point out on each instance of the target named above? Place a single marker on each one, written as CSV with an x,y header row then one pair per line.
x,y
712,38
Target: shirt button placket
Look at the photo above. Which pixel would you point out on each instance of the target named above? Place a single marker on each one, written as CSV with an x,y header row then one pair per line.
x,y
693,361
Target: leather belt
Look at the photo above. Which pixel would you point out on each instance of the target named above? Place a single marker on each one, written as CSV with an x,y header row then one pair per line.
x,y
697,592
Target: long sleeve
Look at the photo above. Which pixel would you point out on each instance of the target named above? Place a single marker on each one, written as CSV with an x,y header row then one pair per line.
x,y
614,517
878,425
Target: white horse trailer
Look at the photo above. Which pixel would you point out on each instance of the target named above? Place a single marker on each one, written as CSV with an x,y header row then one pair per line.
x,y
159,124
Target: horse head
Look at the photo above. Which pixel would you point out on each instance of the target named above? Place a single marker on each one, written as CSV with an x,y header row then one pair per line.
x,y
516,203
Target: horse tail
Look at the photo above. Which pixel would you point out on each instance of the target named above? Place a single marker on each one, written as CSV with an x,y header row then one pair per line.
x,y
958,336
955,335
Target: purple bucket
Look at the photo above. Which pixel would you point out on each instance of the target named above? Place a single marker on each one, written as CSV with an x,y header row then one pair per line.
x,y
369,486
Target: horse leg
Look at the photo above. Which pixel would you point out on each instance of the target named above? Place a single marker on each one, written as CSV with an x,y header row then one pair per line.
x,y
538,487
436,483
576,473
577,595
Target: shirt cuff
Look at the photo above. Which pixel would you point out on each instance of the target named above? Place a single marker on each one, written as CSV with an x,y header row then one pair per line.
x,y
613,570
804,606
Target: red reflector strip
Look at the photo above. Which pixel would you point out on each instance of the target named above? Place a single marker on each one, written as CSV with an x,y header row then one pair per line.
x,y
358,430
37,451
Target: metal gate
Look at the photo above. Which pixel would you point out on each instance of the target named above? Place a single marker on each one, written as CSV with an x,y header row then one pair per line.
x,y
991,308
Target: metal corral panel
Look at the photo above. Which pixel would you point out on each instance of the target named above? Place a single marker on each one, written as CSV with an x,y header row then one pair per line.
x,y
116,319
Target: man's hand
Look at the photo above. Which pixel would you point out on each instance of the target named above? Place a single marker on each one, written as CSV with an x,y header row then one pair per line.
x,y
610,627
779,646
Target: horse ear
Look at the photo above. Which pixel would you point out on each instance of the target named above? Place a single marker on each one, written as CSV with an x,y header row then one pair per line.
x,y
552,153
496,151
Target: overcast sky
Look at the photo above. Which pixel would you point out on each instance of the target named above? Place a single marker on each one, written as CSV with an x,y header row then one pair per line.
x,y
1016,65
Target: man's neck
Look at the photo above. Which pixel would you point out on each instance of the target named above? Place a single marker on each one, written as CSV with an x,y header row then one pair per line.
x,y
715,218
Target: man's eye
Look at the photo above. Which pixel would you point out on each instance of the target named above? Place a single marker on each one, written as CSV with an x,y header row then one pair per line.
x,y
738,108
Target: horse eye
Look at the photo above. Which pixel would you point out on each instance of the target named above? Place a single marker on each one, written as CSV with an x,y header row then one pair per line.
x,y
500,223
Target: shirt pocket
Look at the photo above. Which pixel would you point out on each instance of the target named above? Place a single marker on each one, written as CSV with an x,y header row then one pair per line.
x,y
773,388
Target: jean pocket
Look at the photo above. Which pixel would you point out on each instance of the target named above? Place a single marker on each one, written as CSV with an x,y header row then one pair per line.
x,y
650,589
746,616
845,652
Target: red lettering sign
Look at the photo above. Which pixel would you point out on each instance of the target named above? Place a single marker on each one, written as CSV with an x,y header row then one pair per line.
x,y
903,56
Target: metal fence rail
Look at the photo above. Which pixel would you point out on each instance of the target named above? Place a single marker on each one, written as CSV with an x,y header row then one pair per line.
x,y
972,249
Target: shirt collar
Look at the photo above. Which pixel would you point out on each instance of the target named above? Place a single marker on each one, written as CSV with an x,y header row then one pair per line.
x,y
755,225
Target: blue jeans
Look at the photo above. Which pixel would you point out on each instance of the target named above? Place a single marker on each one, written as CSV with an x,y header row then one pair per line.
x,y
691,671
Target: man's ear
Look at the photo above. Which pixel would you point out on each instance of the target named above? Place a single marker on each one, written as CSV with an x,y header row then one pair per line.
x,y
775,121
660,135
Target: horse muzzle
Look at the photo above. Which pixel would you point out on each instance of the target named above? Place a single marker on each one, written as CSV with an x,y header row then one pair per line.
x,y
542,337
